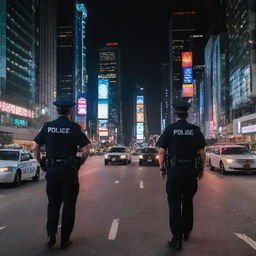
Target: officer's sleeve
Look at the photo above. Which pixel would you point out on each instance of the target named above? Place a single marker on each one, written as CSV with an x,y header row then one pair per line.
x,y
82,139
200,140
39,139
162,141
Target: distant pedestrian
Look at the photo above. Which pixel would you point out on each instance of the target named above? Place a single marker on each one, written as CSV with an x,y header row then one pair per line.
x,y
185,145
61,138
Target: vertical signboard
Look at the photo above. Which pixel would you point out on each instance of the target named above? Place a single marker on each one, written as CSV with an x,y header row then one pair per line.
x,y
103,86
140,117
187,90
187,59
82,106
187,65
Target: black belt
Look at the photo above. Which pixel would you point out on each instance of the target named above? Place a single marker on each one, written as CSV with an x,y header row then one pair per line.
x,y
185,161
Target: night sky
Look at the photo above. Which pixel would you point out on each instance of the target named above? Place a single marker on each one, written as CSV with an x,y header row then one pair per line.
x,y
141,28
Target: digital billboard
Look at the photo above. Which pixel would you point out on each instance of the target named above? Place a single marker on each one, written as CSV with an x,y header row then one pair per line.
x,y
140,117
103,85
103,128
187,59
102,110
187,75
140,99
140,131
187,90
140,108
82,106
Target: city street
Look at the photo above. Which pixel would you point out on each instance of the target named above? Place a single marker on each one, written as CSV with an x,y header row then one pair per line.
x,y
122,211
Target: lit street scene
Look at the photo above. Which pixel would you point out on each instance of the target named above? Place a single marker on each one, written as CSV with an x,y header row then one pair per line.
x,y
127,128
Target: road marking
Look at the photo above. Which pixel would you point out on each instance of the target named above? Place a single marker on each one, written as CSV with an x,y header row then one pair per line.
x,y
140,168
59,226
141,184
117,181
113,230
122,177
247,239
3,227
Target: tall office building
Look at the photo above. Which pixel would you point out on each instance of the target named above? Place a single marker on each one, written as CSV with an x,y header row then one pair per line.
x,y
17,67
71,55
46,86
186,35
109,69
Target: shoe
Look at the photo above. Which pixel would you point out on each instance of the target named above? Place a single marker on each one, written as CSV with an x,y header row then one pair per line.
x,y
65,244
51,240
176,244
186,236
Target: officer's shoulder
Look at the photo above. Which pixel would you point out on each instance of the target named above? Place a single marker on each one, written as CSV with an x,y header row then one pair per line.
x,y
195,127
168,128
77,126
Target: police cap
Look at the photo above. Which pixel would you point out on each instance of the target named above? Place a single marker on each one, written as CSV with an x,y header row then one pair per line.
x,y
64,103
181,106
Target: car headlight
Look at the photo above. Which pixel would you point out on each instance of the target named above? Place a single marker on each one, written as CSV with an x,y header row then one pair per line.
x,y
6,169
122,156
106,156
157,157
140,156
230,161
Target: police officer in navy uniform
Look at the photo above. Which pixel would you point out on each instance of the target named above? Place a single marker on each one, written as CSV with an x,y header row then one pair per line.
x,y
185,145
61,138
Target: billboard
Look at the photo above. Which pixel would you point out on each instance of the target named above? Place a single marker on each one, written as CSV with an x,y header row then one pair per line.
x,y
82,106
102,110
140,131
103,128
140,108
140,117
187,75
187,90
140,99
103,85
187,60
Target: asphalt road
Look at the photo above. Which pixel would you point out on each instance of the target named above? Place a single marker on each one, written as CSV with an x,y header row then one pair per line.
x,y
122,211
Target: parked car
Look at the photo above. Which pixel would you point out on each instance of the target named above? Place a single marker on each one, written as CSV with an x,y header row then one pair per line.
x,y
17,165
231,158
118,154
148,155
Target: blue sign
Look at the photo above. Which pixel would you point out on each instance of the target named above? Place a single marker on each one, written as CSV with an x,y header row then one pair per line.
x,y
140,100
103,89
188,75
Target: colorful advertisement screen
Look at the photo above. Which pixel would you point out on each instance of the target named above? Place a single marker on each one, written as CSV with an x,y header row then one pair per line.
x,y
103,110
187,60
140,108
140,131
140,117
187,75
82,106
140,99
103,128
103,86
187,90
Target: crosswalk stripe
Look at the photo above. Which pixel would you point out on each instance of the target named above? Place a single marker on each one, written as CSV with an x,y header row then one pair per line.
x,y
247,239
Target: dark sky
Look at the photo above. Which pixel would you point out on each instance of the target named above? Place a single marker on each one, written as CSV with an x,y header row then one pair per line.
x,y
141,28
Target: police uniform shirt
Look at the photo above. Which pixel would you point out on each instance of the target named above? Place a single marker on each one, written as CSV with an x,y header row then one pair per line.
x,y
61,138
182,139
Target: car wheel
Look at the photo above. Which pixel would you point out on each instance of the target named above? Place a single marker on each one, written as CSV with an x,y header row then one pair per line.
x,y
37,176
106,162
17,179
222,168
210,164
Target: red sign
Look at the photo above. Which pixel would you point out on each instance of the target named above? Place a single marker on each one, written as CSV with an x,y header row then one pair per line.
x,y
82,107
110,44
187,59
187,90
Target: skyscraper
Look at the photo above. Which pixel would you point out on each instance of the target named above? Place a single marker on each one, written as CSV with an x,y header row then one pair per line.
x,y
109,68
71,55
17,67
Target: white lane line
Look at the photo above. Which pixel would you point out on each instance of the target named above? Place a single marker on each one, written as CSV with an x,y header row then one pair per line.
x,y
122,177
113,230
3,227
59,226
117,181
141,184
247,239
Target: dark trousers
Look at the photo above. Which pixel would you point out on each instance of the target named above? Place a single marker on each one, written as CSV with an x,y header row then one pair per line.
x,y
62,187
181,187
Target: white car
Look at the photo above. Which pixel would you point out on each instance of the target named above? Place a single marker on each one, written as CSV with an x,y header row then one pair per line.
x,y
232,158
17,165
118,154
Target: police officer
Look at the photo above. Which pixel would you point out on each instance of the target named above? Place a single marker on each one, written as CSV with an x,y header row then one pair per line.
x,y
183,142
61,138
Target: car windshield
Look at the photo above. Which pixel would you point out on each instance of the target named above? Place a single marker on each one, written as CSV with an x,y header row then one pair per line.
x,y
236,151
121,150
149,150
9,155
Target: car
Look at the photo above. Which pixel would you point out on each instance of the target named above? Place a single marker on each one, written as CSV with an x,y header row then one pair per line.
x,y
208,151
148,155
17,165
118,154
231,158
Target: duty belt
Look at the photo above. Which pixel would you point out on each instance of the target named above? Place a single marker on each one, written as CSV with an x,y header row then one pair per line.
x,y
53,161
185,161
